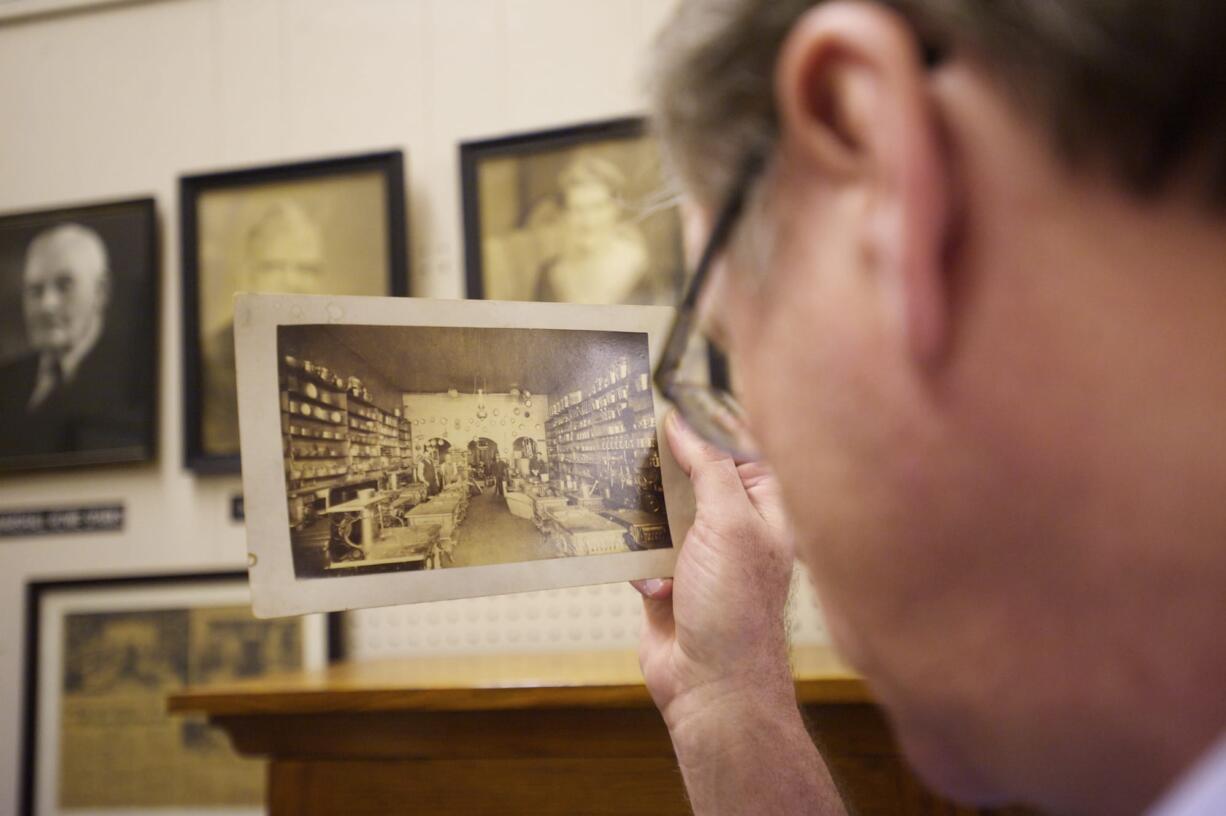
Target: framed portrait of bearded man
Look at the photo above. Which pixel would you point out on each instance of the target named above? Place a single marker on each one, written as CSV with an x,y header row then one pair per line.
x,y
329,227
78,335
575,215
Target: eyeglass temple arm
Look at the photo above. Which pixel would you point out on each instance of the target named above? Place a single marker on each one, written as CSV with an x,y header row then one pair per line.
x,y
678,337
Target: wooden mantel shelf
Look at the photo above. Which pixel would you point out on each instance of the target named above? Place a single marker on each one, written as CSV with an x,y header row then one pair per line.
x,y
482,683
544,734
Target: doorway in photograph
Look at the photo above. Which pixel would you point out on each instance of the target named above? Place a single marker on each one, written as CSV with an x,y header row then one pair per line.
x,y
420,447
482,456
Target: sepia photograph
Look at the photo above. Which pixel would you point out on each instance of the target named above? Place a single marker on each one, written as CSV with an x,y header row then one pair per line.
x,y
328,227
78,336
14,10
574,215
107,652
487,437
428,447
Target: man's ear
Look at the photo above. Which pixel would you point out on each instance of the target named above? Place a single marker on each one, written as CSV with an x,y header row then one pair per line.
x,y
856,111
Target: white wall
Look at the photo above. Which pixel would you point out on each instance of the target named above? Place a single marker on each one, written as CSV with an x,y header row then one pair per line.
x,y
119,102
502,429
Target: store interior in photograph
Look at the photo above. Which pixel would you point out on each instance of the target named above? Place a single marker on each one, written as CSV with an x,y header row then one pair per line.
x,y
423,447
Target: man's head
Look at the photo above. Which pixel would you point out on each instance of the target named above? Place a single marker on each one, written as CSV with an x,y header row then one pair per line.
x,y
285,252
977,308
66,288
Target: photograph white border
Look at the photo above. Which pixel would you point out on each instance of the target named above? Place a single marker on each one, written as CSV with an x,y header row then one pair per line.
x,y
275,589
14,10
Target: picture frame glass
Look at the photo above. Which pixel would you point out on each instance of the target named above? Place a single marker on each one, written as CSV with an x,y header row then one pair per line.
x,y
78,336
108,653
577,215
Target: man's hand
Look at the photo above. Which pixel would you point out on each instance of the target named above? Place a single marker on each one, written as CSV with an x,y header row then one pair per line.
x,y
718,628
714,647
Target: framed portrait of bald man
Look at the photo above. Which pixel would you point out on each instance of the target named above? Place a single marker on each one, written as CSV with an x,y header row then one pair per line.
x,y
78,335
573,215
329,227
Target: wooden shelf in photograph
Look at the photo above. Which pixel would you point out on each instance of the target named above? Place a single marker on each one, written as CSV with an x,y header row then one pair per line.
x,y
296,397
364,439
298,370
326,420
307,489
545,734
606,432
306,433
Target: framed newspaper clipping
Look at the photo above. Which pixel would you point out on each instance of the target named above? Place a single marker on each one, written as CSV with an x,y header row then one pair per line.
x,y
101,657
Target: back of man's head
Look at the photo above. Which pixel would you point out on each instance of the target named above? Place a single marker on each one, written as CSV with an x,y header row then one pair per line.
x,y
1138,85
977,303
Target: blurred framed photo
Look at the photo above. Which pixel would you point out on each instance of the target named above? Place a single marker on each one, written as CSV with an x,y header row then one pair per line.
x,y
78,335
101,657
330,227
575,215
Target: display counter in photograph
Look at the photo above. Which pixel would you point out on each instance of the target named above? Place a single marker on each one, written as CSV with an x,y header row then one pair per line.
x,y
647,530
401,547
522,734
363,510
542,506
577,531
593,503
440,511
414,493
380,529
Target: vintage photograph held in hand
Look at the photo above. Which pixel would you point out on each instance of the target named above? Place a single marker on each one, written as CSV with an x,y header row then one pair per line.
x,y
78,336
467,448
330,227
475,446
575,215
108,652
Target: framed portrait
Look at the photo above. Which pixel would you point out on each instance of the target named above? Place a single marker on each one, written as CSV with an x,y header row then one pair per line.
x,y
575,215
330,227
101,657
78,335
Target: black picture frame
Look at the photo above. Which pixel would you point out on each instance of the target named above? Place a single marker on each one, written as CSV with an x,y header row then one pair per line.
x,y
120,372
474,153
389,165
37,590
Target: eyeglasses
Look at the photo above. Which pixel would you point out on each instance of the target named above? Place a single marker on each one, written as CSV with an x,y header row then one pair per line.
x,y
693,373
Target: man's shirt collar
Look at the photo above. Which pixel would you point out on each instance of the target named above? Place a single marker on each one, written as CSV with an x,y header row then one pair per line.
x,y
1201,791
49,378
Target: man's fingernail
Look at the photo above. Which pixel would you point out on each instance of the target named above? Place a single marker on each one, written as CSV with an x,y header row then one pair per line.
x,y
674,417
652,585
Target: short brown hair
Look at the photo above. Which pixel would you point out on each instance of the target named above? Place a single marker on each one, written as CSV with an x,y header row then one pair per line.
x,y
1139,85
